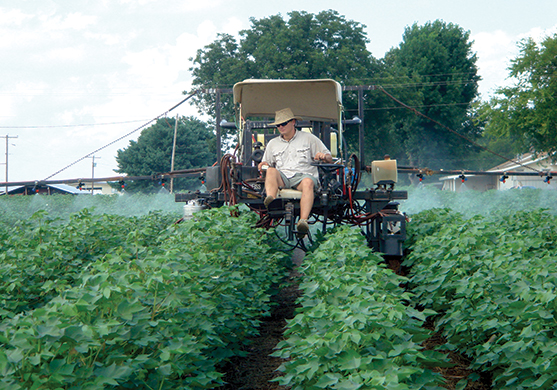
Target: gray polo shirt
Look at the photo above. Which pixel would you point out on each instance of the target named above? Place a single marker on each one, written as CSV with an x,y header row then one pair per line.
x,y
294,156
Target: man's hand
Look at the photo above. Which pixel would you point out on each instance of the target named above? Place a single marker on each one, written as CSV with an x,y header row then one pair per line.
x,y
323,157
260,166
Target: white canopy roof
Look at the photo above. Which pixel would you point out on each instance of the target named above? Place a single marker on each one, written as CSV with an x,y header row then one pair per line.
x,y
319,99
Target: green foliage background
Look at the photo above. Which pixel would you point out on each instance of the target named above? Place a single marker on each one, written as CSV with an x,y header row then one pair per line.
x,y
105,301
492,280
433,69
525,112
353,329
304,46
95,299
152,153
437,64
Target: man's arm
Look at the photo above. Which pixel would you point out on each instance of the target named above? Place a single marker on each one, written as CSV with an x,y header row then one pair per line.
x,y
263,163
267,158
326,157
320,150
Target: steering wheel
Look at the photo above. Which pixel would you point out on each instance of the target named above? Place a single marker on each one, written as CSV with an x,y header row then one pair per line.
x,y
327,167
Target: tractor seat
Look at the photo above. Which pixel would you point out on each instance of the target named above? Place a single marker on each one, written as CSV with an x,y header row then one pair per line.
x,y
287,193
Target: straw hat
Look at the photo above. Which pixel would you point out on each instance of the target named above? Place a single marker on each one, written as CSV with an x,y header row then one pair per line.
x,y
284,115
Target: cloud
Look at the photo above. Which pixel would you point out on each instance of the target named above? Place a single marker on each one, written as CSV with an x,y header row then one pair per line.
x,y
179,6
110,39
196,6
539,34
15,29
14,99
164,64
7,104
27,89
62,54
72,21
495,51
13,17
233,26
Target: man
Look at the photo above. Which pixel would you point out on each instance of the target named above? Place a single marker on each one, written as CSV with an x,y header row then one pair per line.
x,y
288,159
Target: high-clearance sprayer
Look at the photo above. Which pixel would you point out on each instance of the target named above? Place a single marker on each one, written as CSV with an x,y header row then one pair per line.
x,y
234,179
338,199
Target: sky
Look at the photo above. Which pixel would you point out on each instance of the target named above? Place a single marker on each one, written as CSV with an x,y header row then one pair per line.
x,y
77,76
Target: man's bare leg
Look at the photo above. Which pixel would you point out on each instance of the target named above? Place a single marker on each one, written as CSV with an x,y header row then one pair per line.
x,y
306,202
272,182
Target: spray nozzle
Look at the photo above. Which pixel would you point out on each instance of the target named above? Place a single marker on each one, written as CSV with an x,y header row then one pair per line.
x,y
548,179
463,178
503,178
420,176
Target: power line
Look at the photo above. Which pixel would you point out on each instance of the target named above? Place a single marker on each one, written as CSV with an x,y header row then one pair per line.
x,y
453,131
424,84
405,84
76,125
124,136
371,79
402,108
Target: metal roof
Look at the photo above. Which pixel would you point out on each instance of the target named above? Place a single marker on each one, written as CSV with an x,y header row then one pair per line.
x,y
524,160
60,187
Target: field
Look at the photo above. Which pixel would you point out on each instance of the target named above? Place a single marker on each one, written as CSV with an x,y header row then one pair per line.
x,y
109,292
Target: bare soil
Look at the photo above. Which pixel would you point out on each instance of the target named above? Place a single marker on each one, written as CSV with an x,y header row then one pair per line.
x,y
257,369
460,370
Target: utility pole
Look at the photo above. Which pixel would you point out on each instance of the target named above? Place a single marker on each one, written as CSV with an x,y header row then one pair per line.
x,y
7,144
173,153
217,106
93,164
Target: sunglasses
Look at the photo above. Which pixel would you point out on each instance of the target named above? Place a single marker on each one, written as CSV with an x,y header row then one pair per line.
x,y
283,124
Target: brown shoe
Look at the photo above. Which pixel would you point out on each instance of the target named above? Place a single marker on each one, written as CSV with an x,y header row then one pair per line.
x,y
302,227
268,201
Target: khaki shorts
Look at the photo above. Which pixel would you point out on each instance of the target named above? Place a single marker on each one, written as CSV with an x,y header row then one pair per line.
x,y
295,180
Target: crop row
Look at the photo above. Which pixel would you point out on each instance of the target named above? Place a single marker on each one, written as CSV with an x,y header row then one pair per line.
x,y
353,329
42,256
471,202
155,307
494,282
14,209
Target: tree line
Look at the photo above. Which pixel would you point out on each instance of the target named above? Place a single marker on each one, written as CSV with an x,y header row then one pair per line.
x,y
433,70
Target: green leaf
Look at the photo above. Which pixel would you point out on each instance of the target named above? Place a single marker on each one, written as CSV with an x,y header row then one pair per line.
x,y
127,309
327,380
15,355
349,360
356,337
346,384
165,355
113,373
61,366
165,370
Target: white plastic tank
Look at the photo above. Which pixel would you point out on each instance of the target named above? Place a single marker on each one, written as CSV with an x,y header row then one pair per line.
x,y
191,207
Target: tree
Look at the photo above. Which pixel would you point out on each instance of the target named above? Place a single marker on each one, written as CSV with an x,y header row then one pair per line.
x,y
152,152
306,46
527,110
434,71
